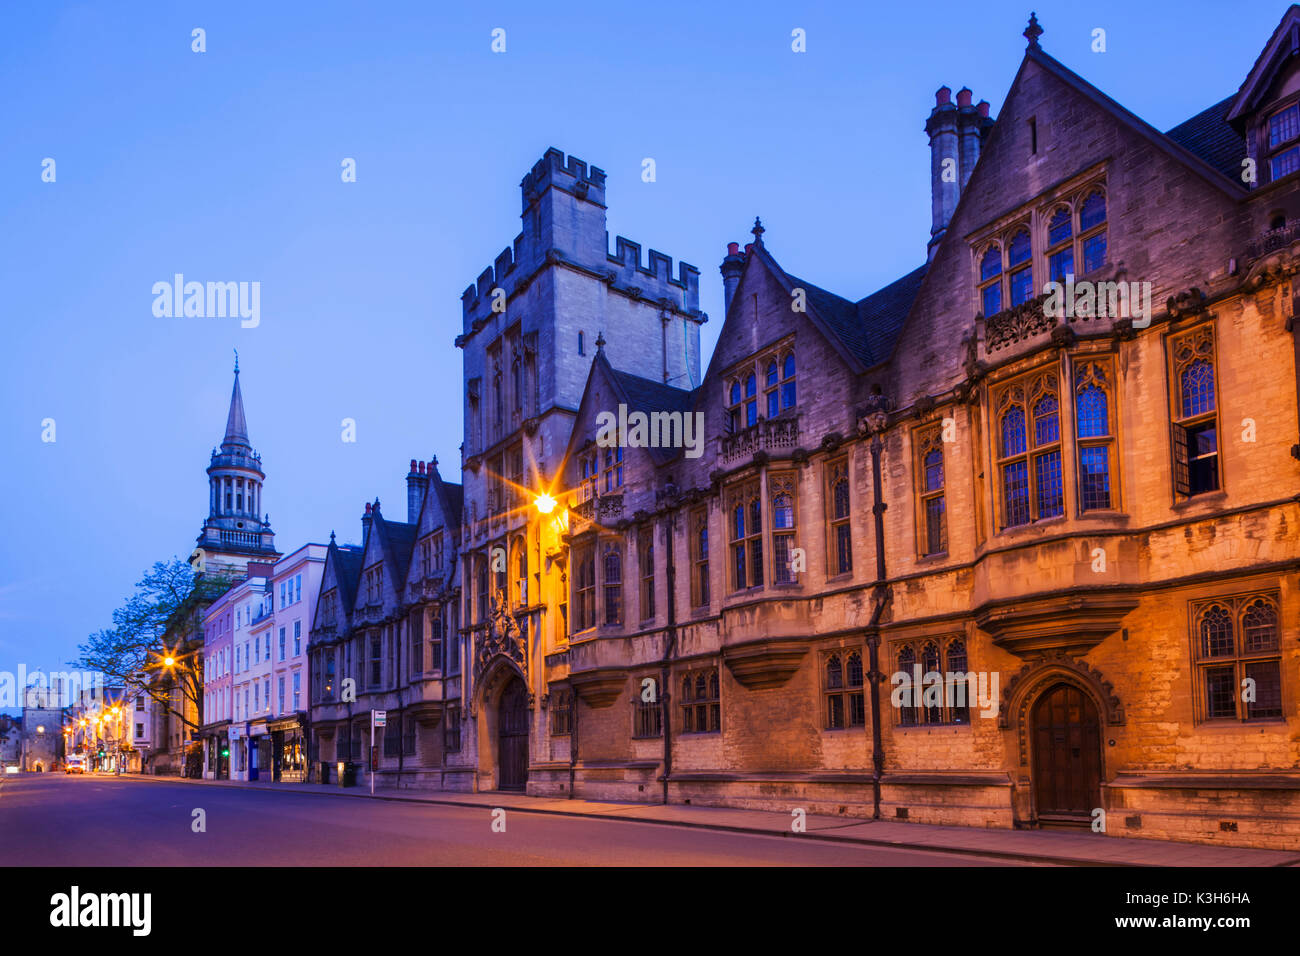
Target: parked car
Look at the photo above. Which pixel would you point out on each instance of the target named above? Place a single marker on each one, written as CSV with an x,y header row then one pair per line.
x,y
74,764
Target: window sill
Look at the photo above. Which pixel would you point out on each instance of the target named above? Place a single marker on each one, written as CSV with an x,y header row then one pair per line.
x,y
947,726
1034,525
935,558
1224,725
1185,504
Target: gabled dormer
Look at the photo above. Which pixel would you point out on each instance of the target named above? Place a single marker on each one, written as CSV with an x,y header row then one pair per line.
x,y
387,557
1266,109
626,428
433,560
338,588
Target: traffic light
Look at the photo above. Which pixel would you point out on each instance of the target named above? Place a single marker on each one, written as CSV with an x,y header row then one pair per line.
x,y
225,751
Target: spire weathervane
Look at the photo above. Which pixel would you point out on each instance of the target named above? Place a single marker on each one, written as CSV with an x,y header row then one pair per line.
x,y
1033,31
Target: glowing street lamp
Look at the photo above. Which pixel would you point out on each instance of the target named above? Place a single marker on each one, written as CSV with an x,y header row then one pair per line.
x,y
545,503
169,661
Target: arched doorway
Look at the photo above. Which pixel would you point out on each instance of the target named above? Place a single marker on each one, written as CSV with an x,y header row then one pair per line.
x,y
1067,756
512,736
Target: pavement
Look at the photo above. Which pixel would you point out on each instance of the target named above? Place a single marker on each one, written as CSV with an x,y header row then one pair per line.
x,y
1058,847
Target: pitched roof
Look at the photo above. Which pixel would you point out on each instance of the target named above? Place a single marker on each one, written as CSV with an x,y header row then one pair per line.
x,y
400,538
347,571
647,395
1210,136
869,327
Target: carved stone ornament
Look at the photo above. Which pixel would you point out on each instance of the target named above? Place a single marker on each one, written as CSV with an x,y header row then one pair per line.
x,y
503,636
1018,323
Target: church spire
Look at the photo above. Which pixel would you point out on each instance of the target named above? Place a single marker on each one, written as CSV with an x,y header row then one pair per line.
x,y
236,424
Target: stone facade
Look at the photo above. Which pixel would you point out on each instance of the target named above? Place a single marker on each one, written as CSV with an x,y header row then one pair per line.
x,y
1090,516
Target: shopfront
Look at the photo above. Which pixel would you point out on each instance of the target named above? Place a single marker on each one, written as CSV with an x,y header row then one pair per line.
x,y
288,749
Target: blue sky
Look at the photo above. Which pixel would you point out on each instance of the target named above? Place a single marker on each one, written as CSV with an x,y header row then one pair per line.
x,y
225,166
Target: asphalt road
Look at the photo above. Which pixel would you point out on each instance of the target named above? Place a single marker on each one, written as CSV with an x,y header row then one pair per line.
x,y
55,819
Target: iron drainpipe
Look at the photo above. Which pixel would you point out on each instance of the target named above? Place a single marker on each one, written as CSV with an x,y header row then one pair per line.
x,y
664,709
880,595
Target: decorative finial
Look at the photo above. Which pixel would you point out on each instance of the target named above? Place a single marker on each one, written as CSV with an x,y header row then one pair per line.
x,y
758,231
331,536
236,361
600,341
1033,31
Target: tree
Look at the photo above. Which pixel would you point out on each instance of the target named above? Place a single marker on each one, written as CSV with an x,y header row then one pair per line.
x,y
161,622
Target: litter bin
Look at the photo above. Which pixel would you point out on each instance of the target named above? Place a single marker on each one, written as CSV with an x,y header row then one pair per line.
x,y
347,774
324,772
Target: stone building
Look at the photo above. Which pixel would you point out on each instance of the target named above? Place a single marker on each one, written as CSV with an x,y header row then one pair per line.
x,y
1083,496
1007,542
384,638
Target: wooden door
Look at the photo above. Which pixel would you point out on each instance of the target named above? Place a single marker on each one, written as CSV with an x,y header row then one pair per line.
x,y
1067,756
512,736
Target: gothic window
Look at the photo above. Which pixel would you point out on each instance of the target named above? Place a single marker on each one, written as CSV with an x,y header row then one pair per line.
x,y
1195,424
1060,245
519,590
435,638
701,705
1283,151
700,558
584,589
745,517
1238,658
929,683
646,561
481,589
1020,270
1092,231
767,378
990,288
561,709
647,715
613,469
908,712
613,582
781,490
932,511
733,408
842,689
841,535
1029,450
1095,436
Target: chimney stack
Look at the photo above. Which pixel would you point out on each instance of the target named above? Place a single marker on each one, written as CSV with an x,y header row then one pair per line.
x,y
417,483
731,268
956,134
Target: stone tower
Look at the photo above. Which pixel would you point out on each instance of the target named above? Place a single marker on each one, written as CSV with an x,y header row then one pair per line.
x,y
234,532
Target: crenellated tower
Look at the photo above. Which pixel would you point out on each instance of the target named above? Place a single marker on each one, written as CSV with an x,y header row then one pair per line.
x,y
235,531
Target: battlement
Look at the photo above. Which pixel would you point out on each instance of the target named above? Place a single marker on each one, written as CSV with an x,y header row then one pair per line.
x,y
658,273
568,226
572,176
